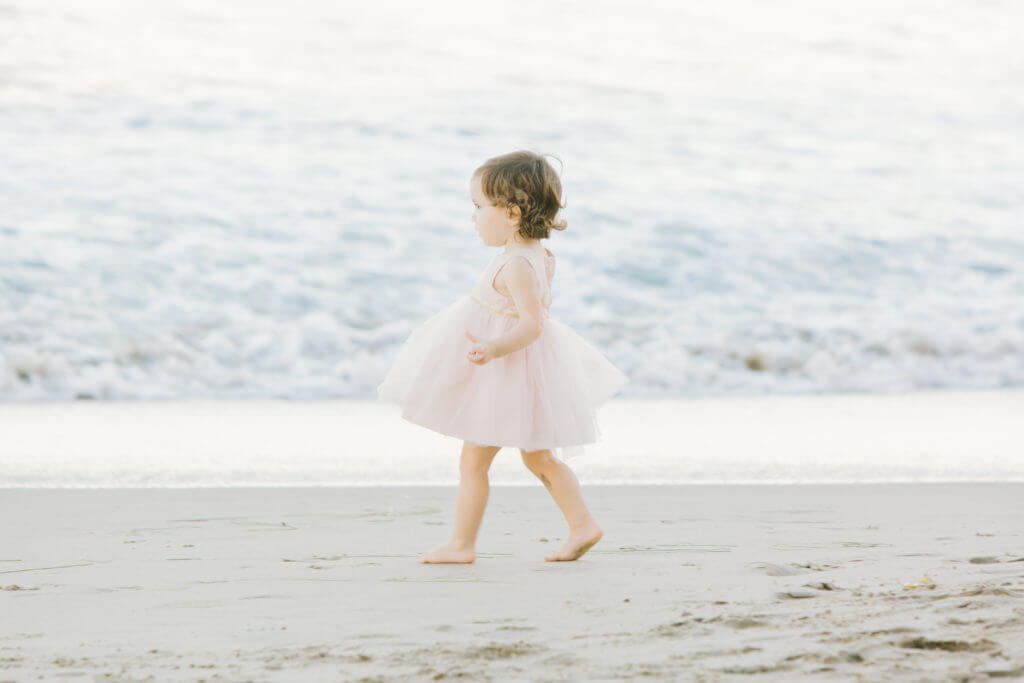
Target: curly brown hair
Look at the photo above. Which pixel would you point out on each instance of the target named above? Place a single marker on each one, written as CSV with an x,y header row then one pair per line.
x,y
525,181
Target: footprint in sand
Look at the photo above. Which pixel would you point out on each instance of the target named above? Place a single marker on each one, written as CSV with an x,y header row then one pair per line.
x,y
778,569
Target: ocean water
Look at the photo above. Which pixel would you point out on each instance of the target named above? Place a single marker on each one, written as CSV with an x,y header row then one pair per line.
x,y
217,200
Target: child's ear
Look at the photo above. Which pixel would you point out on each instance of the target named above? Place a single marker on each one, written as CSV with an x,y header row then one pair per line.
x,y
514,212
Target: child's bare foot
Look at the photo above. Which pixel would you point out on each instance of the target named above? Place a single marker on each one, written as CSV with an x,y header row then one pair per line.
x,y
579,542
449,552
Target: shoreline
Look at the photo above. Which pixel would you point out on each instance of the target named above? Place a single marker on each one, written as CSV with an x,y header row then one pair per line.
x,y
936,436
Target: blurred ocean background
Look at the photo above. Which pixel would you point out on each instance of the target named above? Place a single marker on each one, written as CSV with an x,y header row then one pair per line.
x,y
237,199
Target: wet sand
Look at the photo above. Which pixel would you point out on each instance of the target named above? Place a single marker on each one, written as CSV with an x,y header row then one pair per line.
x,y
925,436
715,582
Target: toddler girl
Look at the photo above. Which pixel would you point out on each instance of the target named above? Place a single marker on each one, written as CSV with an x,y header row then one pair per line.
x,y
494,370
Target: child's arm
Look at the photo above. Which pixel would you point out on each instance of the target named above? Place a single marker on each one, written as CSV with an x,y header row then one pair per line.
x,y
521,282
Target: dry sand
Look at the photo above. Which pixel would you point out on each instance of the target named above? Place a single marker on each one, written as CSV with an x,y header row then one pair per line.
x,y
865,582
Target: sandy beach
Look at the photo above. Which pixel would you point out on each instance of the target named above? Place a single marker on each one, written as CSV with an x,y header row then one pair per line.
x,y
705,582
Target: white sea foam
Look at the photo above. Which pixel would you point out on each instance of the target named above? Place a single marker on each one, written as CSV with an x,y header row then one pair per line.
x,y
242,199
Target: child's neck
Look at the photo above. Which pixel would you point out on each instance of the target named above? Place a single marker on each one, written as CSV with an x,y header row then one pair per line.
x,y
509,246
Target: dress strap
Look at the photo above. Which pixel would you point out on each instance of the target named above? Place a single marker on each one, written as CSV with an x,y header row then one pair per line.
x,y
540,270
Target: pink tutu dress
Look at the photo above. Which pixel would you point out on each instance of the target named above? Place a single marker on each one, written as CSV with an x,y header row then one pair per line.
x,y
540,397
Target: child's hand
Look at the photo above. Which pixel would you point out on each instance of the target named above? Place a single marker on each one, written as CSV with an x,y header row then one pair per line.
x,y
482,351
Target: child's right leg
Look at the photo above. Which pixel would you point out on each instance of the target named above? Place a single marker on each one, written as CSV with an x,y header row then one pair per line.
x,y
470,502
564,487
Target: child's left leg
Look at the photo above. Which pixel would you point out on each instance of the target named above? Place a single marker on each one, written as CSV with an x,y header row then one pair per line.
x,y
470,502
564,487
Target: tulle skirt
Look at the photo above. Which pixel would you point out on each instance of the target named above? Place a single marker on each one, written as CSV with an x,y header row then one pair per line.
x,y
543,396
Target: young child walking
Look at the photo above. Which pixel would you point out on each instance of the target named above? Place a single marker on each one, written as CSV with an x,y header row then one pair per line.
x,y
495,370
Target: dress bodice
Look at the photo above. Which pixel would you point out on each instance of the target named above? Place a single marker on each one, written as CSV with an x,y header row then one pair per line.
x,y
487,296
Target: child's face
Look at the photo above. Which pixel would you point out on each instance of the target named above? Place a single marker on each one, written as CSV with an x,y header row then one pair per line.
x,y
491,222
